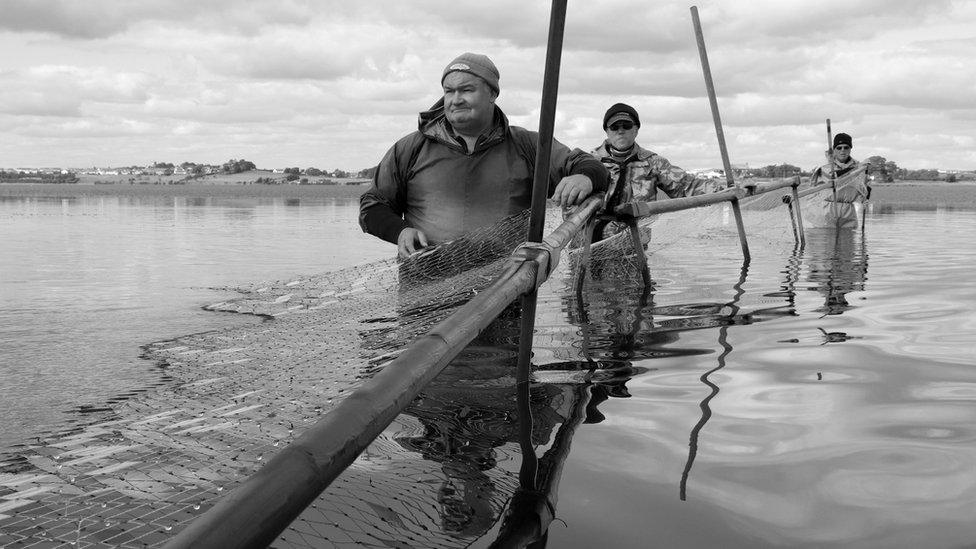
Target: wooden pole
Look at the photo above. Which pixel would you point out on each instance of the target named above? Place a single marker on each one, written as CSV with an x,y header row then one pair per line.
x,y
547,117
740,226
710,87
254,513
540,180
799,215
830,160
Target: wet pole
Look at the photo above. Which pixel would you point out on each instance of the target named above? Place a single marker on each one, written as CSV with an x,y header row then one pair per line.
x,y
830,160
799,214
537,222
710,87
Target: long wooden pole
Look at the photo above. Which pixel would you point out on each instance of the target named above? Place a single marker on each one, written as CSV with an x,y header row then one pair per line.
x,y
540,188
830,160
547,117
799,213
254,513
730,182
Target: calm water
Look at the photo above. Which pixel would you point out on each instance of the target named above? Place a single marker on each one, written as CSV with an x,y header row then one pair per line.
x,y
824,397
86,281
833,406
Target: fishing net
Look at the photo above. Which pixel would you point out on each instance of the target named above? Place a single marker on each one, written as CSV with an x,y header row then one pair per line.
x,y
141,468
823,205
148,463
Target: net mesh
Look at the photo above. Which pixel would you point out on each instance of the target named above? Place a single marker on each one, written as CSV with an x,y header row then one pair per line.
x,y
141,468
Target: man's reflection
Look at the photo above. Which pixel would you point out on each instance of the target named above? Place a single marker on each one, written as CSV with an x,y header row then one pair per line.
x,y
837,265
469,414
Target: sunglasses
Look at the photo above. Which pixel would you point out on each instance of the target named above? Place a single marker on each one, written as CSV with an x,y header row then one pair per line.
x,y
842,148
621,126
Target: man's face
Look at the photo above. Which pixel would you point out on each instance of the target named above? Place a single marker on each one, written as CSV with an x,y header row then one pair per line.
x,y
469,103
842,152
622,134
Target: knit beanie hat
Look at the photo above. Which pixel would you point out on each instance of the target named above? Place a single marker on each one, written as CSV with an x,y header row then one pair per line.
x,y
620,111
843,139
476,64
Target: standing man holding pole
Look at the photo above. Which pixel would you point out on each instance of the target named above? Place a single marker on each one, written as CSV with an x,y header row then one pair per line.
x,y
848,185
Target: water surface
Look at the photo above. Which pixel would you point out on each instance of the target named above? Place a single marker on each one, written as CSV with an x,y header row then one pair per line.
x,y
86,281
815,397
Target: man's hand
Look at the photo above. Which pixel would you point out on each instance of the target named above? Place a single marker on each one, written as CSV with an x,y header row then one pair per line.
x,y
572,190
407,242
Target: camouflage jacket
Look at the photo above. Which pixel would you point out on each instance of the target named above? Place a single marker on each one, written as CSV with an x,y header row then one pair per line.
x,y
641,175
848,189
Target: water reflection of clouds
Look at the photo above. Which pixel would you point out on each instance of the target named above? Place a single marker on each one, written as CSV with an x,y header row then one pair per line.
x,y
778,459
954,390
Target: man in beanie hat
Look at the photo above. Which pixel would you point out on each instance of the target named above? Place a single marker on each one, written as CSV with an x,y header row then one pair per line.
x,y
635,172
465,167
842,212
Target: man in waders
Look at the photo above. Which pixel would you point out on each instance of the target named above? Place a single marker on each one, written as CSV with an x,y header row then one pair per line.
x,y
848,190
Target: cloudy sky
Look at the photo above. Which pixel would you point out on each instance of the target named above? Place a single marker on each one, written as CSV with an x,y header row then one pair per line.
x,y
333,84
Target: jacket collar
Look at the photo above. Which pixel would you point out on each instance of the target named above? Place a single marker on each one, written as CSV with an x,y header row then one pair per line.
x,y
603,151
842,165
434,125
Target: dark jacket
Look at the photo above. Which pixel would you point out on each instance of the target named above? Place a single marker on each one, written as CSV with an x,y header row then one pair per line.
x,y
429,180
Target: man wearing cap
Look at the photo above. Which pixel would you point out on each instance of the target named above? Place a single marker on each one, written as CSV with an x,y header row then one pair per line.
x,y
635,172
839,163
840,157
466,167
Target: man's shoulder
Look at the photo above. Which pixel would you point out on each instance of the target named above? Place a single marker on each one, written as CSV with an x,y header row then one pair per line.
x,y
518,132
412,137
526,140
646,154
408,144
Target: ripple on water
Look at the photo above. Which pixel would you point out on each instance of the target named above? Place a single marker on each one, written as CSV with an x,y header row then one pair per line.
x,y
924,433
819,363
888,476
954,390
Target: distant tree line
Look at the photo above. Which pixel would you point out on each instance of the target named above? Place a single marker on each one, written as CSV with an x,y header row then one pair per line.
x,y
775,171
27,177
237,166
879,167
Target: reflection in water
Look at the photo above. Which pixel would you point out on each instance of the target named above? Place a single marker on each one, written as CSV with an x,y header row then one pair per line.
x,y
723,339
837,264
471,411
836,267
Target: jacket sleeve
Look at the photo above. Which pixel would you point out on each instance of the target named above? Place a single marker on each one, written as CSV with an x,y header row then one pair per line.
x,y
573,162
817,176
677,183
382,206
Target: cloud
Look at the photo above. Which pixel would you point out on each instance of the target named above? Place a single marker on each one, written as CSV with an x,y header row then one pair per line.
x,y
63,90
99,19
341,81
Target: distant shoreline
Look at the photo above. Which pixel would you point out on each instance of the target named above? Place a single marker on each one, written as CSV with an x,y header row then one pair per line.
x,y
190,190
903,193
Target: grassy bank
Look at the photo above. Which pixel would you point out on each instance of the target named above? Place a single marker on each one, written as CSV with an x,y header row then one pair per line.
x,y
928,194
